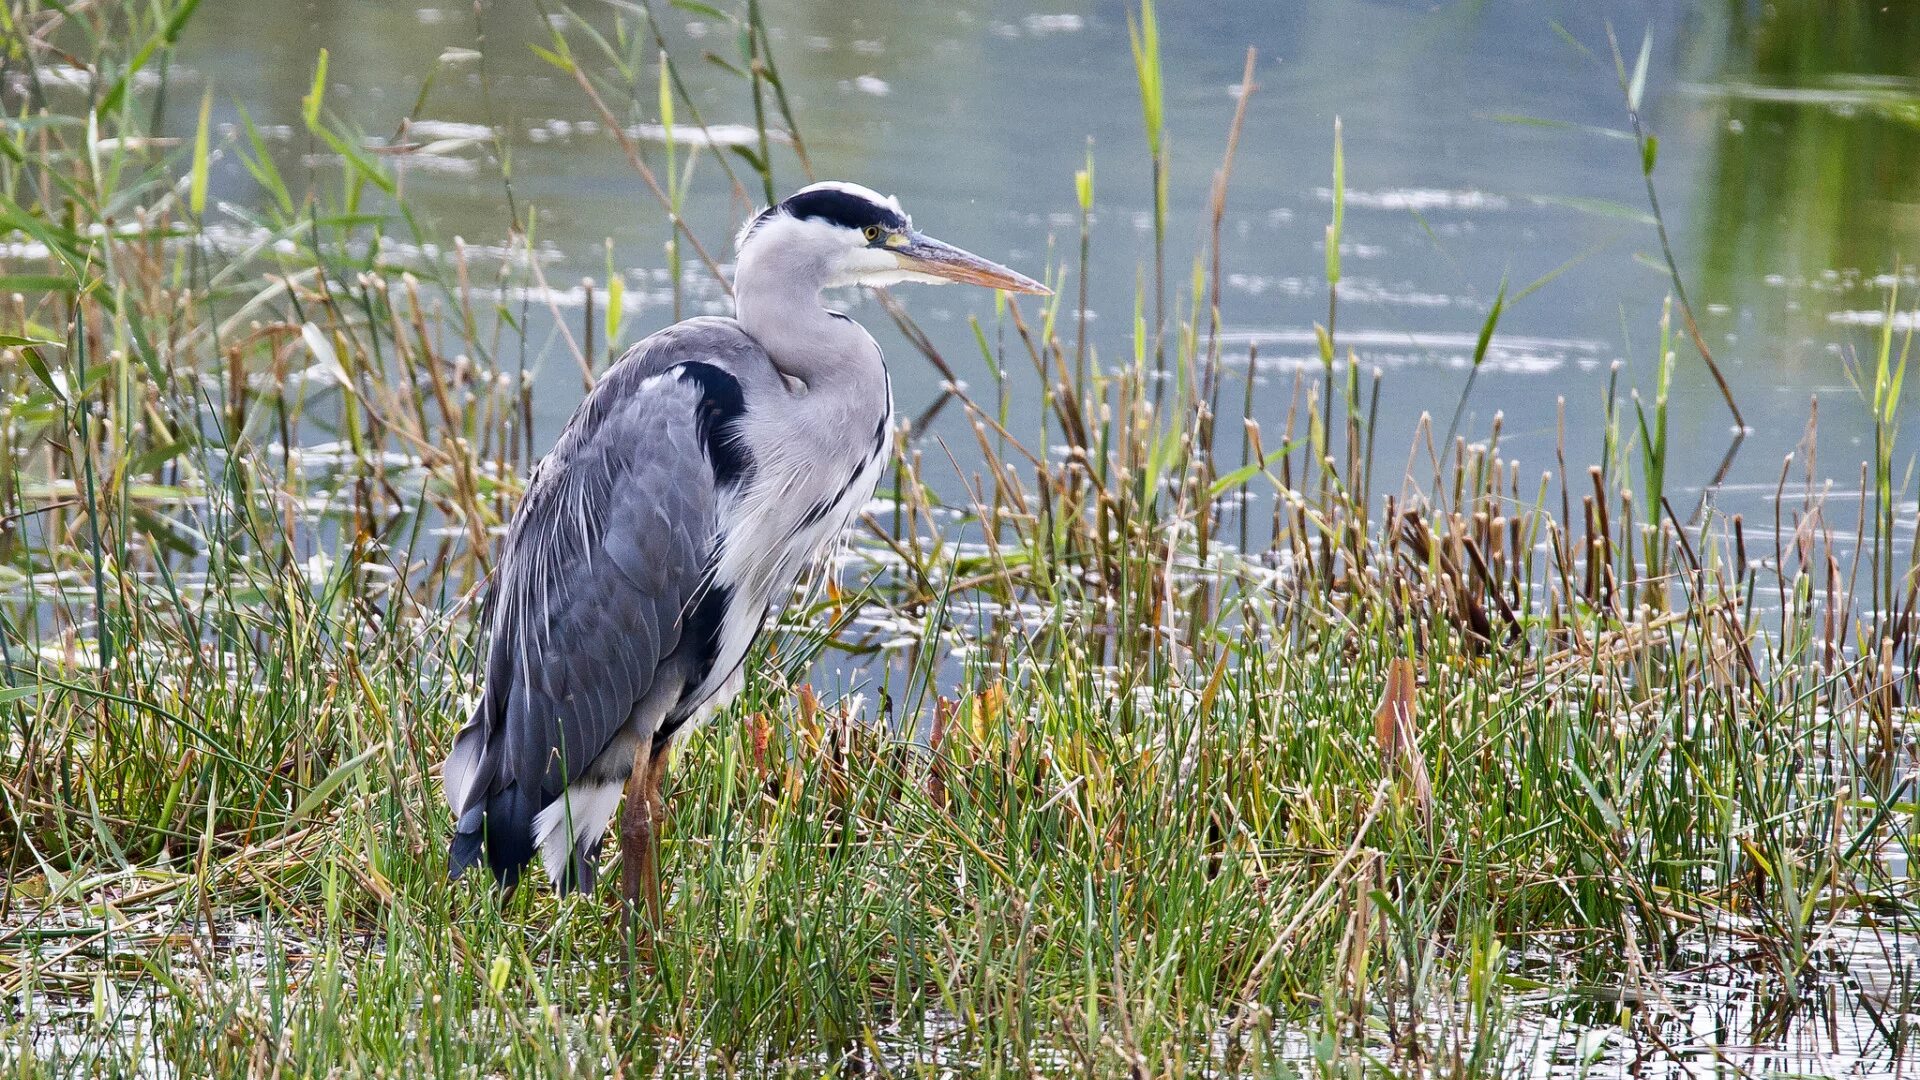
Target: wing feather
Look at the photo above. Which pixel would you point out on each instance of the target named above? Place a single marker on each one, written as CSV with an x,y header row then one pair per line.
x,y
605,556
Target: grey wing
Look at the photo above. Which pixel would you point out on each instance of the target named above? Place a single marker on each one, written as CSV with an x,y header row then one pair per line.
x,y
593,582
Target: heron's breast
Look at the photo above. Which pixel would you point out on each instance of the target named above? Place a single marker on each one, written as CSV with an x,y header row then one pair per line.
x,y
829,500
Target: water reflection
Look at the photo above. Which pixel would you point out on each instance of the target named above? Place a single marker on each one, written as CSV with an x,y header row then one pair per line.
x,y
1811,197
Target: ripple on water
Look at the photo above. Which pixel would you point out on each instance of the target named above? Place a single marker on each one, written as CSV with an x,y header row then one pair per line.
x,y
1420,199
1516,354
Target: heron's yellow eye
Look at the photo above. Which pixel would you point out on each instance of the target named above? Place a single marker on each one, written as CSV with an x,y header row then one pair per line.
x,y
871,232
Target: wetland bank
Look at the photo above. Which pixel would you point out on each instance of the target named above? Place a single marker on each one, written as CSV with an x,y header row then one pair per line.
x,y
1329,637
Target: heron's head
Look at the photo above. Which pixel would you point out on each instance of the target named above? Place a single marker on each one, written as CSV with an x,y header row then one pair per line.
x,y
836,233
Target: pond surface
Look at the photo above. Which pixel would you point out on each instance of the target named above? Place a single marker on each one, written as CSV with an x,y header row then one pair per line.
x,y
1482,144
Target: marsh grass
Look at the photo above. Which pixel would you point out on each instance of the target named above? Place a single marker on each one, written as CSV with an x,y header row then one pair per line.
x,y
1136,799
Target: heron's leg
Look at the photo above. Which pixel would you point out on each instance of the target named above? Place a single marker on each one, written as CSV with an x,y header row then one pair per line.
x,y
637,837
657,815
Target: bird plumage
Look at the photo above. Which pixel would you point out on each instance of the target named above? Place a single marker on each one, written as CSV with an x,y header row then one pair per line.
x,y
710,468
637,574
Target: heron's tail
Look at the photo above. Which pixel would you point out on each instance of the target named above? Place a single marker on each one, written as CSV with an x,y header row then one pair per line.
x,y
498,824
501,828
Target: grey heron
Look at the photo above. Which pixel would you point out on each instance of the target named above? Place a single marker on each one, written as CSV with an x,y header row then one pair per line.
x,y
709,468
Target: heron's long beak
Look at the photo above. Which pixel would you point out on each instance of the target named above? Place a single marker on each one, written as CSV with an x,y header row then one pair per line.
x,y
922,254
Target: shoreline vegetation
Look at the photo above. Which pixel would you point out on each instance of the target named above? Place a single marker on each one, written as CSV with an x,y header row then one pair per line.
x,y
1210,749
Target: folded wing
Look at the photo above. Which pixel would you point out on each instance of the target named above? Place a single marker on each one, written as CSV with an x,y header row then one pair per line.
x,y
603,560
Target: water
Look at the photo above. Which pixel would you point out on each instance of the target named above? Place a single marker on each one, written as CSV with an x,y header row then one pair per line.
x,y
1712,1018
1478,149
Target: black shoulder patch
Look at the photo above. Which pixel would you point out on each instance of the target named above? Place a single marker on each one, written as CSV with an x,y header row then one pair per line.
x,y
837,207
721,407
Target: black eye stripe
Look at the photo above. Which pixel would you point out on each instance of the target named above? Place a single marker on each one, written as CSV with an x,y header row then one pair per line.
x,y
845,209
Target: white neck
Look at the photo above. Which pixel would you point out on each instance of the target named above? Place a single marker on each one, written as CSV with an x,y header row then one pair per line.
x,y
776,296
